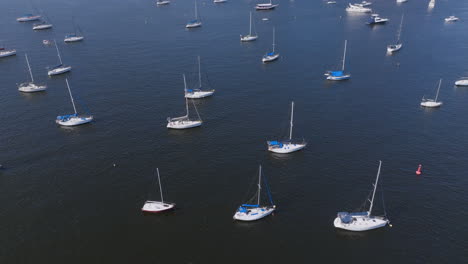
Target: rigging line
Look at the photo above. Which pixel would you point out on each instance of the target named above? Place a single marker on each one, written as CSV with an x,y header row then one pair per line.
x,y
268,190
196,110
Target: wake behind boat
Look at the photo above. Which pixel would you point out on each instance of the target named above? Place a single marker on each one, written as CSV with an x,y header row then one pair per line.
x,y
73,119
31,87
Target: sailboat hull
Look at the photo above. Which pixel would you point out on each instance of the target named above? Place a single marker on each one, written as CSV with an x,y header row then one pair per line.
x,y
183,124
254,214
461,83
261,7
7,53
194,25
42,27
339,78
28,18
60,70
270,58
287,148
248,38
394,48
199,94
31,88
361,223
431,104
74,39
156,207
75,121
159,3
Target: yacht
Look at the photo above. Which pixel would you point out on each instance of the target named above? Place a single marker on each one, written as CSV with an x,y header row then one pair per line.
x,y
7,53
42,25
28,17
376,19
451,19
462,82
265,6
432,102
358,9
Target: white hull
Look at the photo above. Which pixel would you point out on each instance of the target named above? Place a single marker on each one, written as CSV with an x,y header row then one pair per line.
x,y
162,2
156,207
265,6
74,39
194,25
253,214
42,27
31,88
6,53
401,1
27,19
248,38
451,19
358,9
461,83
394,48
339,78
287,148
60,70
184,124
270,58
361,223
219,1
431,104
75,121
199,94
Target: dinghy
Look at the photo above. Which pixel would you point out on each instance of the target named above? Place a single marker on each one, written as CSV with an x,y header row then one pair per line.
x,y
198,92
30,87
157,206
432,102
60,68
361,221
339,75
272,56
73,119
196,22
396,47
184,122
249,37
286,146
28,17
252,212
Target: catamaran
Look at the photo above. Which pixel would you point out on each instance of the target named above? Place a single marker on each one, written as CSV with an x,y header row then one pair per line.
x,y
265,6
157,206
28,17
198,93
58,69
196,22
287,146
6,53
76,36
184,122
396,47
73,119
432,102
252,212
362,221
249,37
31,87
272,56
162,2
339,75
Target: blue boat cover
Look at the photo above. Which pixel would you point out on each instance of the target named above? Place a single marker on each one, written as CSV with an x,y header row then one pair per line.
x,y
336,73
193,21
190,90
65,117
242,209
250,205
70,35
271,54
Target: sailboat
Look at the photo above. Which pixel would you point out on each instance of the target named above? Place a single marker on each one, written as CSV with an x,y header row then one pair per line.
x,y
28,17
76,36
396,47
249,37
361,221
266,6
162,2
59,69
401,1
286,146
252,212
339,75
73,119
157,206
432,102
198,93
43,24
6,53
462,82
431,4
196,22
30,87
219,1
184,122
272,55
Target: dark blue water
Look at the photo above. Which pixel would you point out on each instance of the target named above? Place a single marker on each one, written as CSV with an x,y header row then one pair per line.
x,y
63,200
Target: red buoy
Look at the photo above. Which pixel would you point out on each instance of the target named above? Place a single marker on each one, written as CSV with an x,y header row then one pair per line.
x,y
418,172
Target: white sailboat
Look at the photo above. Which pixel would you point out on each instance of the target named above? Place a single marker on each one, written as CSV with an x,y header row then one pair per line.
x,y
196,22
75,36
401,1
358,8
266,6
252,212
73,119
198,93
286,146
219,1
249,37
272,56
31,87
361,221
339,75
157,206
43,24
462,82
28,17
431,4
396,47
432,102
162,2
6,53
58,69
184,122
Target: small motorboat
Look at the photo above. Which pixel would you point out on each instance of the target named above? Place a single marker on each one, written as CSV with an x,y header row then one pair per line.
x,y
46,42
358,8
394,47
28,17
42,25
462,82
7,53
162,2
376,19
451,19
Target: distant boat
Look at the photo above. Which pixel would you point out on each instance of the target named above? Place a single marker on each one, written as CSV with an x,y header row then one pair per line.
x,y
6,53
365,3
196,22
398,45
462,82
339,75
30,87
252,212
266,6
432,102
358,9
272,56
73,119
249,37
431,4
451,19
58,69
162,2
219,1
184,122
42,25
361,221
401,1
331,2
286,146
198,93
28,17
157,206
76,36
376,19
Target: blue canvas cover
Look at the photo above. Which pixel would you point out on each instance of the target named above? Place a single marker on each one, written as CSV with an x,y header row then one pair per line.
x,y
336,73
271,54
275,143
250,205
65,117
345,217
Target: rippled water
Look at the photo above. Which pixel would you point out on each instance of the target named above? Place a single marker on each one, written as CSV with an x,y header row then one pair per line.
x,y
63,200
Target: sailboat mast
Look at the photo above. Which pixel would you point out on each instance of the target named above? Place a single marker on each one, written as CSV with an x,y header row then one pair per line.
x,y
259,184
438,89
196,11
58,53
292,117
160,188
375,188
29,67
273,39
250,27
71,96
199,72
185,89
344,55
401,27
